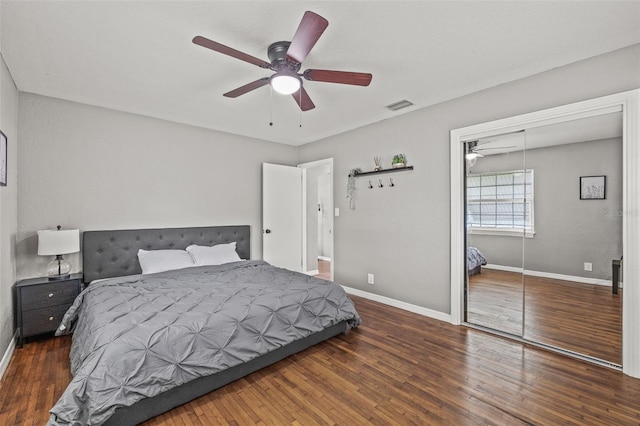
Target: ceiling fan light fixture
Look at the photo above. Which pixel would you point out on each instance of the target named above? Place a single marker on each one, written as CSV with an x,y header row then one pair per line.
x,y
472,155
471,158
285,83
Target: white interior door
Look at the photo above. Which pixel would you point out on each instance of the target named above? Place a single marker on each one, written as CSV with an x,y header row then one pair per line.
x,y
282,216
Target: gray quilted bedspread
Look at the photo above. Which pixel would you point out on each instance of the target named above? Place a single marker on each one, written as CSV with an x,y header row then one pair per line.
x,y
135,337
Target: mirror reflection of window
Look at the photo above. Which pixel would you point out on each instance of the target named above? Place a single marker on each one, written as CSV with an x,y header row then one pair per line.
x,y
500,201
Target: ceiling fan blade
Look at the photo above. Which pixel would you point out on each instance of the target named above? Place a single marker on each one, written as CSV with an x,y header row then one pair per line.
x,y
247,88
303,100
221,48
309,31
494,147
342,77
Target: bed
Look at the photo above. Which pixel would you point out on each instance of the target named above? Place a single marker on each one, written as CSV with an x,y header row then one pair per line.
x,y
144,344
475,261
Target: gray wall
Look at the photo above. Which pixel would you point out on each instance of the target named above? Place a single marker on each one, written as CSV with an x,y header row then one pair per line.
x,y
568,231
8,204
402,234
94,168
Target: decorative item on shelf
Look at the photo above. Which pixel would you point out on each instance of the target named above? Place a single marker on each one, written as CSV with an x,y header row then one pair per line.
x,y
56,243
378,163
351,187
399,160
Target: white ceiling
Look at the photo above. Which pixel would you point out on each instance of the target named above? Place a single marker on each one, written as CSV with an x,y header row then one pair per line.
x,y
138,56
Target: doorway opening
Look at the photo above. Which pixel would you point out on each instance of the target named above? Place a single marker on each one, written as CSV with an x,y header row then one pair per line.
x,y
317,218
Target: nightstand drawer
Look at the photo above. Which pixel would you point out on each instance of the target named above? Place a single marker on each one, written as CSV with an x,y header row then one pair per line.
x,y
41,303
47,295
43,320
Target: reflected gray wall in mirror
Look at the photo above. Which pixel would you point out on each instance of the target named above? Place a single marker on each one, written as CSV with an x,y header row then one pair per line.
x,y
571,231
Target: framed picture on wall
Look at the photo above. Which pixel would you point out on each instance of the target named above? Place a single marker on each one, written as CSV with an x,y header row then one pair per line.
x,y
3,159
593,187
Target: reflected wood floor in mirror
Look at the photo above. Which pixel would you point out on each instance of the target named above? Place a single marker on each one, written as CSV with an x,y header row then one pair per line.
x,y
397,368
495,301
583,318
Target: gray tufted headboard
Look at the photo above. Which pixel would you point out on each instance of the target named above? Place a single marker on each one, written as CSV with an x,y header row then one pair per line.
x,y
108,254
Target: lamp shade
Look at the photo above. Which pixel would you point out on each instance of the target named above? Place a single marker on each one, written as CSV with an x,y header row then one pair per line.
x,y
53,243
285,83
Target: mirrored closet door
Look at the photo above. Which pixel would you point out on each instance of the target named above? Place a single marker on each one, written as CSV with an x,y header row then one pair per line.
x,y
544,215
495,222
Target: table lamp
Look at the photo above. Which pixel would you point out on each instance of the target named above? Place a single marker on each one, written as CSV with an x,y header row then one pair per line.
x,y
56,243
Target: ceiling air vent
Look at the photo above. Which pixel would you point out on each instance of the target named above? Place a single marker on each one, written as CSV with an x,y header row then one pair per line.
x,y
399,105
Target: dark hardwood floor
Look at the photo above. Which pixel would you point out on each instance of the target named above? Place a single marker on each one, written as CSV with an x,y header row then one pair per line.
x,y
583,318
397,368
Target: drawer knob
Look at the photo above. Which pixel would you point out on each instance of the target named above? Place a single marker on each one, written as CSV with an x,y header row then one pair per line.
x,y
50,294
50,318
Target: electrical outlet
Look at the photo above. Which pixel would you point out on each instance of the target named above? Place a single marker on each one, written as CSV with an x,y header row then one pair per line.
x,y
370,279
588,266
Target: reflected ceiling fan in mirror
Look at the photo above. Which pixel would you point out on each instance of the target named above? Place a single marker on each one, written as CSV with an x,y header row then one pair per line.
x,y
474,148
471,154
286,60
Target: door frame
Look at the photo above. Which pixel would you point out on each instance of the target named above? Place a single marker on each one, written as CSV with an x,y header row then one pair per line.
x,y
628,102
304,167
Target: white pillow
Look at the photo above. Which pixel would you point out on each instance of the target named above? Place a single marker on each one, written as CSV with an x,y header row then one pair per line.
x,y
152,261
214,255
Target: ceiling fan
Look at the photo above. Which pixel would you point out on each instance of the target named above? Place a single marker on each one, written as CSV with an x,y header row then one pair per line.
x,y
286,60
473,151
473,148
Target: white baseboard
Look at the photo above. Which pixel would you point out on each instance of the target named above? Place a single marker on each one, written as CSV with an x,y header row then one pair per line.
x,y
4,363
503,268
399,304
325,258
312,273
584,280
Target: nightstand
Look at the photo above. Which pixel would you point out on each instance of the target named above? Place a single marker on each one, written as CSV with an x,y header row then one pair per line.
x,y
41,303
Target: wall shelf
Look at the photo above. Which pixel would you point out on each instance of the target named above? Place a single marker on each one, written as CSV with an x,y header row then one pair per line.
x,y
379,172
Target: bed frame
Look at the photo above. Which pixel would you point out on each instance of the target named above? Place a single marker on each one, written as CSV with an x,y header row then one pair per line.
x,y
107,254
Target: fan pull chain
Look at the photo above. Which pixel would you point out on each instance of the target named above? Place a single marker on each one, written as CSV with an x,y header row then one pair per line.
x,y
270,105
300,99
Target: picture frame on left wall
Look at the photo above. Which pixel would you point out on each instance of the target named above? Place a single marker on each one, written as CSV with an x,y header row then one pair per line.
x,y
3,159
